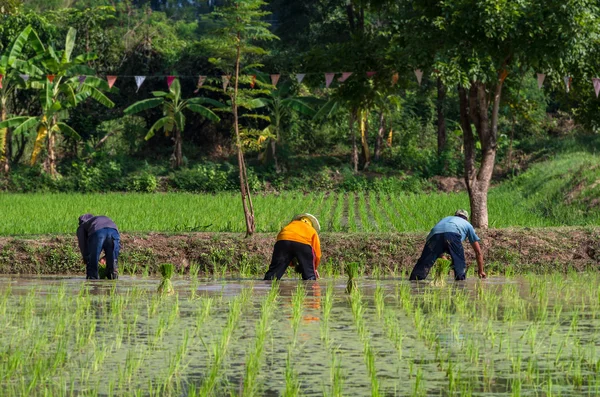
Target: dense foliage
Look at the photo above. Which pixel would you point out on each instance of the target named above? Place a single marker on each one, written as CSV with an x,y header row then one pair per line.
x,y
295,135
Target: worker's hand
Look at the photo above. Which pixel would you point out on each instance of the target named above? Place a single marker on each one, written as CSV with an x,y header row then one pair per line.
x,y
482,274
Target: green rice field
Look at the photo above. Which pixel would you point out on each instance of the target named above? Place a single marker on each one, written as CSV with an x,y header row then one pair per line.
x,y
26,214
520,336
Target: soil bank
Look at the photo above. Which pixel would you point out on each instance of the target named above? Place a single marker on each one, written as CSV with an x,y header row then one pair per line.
x,y
522,249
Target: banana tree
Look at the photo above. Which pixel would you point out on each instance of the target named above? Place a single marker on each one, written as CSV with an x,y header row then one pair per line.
x,y
173,120
280,103
12,66
61,88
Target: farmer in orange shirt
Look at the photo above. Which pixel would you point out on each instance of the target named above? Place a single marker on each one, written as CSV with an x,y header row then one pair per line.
x,y
299,240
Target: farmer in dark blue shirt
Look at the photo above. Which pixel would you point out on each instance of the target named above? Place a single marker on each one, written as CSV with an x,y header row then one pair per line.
x,y
97,233
447,237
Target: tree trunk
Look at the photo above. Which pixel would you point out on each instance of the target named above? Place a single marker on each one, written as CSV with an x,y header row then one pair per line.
x,y
441,120
353,134
177,153
244,188
474,108
379,141
364,130
50,161
4,142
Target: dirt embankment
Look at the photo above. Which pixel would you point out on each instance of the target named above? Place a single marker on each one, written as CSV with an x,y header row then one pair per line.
x,y
524,249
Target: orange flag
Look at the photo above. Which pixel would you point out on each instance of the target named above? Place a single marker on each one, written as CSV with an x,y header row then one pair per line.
x,y
111,80
1,77
50,77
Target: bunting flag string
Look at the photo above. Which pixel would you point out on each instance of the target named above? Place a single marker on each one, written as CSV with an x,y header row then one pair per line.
x,y
201,81
540,79
139,80
596,82
170,80
419,74
111,81
345,76
329,79
275,79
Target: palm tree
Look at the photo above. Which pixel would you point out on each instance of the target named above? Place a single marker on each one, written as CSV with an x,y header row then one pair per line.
x,y
173,120
61,88
11,68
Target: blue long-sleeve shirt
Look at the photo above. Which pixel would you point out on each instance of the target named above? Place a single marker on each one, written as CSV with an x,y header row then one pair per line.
x,y
455,224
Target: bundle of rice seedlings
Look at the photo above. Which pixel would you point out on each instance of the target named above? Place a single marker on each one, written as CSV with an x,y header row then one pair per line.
x,y
440,271
166,287
352,272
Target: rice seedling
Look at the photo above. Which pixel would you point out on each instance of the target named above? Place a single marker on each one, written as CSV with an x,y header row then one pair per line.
x,y
352,272
166,286
440,271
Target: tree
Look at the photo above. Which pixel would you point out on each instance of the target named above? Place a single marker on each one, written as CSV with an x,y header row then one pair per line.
x,y
11,66
484,41
65,83
234,45
173,120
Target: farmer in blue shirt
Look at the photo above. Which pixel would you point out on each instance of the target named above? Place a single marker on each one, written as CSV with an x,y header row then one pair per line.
x,y
94,235
446,238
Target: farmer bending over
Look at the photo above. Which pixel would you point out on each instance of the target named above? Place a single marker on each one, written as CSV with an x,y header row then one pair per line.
x,y
299,240
97,233
447,237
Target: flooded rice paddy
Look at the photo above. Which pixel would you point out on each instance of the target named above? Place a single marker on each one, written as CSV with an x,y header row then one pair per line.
x,y
527,335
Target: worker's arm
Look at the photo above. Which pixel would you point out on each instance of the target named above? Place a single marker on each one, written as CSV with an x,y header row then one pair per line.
x,y
82,241
316,246
479,257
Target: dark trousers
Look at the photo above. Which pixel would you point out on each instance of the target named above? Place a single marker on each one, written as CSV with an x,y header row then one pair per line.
x,y
106,239
284,252
437,245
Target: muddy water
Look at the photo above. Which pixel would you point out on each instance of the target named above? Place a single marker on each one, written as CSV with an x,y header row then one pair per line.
x,y
525,336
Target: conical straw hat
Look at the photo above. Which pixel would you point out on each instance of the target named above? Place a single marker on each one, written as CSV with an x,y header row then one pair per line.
x,y
313,220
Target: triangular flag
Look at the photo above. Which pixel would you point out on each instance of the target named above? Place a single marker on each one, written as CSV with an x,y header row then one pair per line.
x,y
170,80
50,77
541,77
596,82
1,77
300,77
201,81
419,74
225,79
81,79
395,78
24,77
275,79
371,74
345,76
139,80
328,79
253,81
111,81
567,81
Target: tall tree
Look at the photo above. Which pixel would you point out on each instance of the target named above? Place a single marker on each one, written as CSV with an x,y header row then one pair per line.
x,y
484,41
235,47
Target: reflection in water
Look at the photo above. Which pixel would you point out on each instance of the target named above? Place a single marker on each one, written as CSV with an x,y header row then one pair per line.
x,y
480,338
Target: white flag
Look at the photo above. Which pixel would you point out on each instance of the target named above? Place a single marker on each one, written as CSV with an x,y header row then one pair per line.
x,y
419,74
567,80
225,80
139,80
596,82
24,77
300,77
541,77
201,81
345,76
328,79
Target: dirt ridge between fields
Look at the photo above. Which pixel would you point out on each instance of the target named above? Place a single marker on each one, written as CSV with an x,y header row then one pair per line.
x,y
525,249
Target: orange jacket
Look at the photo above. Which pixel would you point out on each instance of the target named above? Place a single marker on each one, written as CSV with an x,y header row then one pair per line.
x,y
304,233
